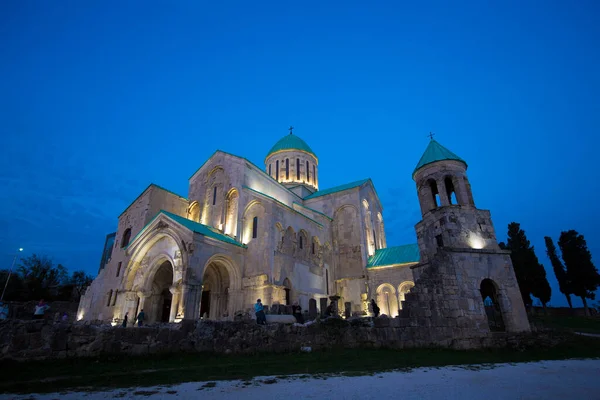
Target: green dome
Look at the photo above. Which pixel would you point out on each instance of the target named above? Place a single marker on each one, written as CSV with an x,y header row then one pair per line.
x,y
436,152
291,142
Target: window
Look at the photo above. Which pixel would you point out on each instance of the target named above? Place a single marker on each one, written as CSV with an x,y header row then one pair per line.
x,y
307,173
277,170
255,228
313,247
119,268
270,170
301,242
439,241
115,298
314,174
327,281
109,297
297,168
214,195
375,239
287,168
126,237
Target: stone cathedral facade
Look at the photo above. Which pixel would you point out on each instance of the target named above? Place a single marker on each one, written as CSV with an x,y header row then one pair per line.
x,y
246,232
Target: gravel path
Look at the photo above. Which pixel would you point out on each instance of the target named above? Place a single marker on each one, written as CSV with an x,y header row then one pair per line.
x,y
566,379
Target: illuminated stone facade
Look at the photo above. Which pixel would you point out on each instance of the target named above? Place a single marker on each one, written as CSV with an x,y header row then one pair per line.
x,y
245,233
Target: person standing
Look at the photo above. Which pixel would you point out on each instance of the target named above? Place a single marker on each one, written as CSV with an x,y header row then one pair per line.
x,y
375,308
124,324
261,319
140,318
297,312
40,310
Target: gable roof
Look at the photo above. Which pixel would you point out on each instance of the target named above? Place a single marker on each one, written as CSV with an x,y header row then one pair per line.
x,y
436,152
405,254
194,226
291,142
336,189
152,185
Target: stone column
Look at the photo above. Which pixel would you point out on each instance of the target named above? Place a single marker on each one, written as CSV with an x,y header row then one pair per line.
x,y
190,297
175,291
425,198
444,200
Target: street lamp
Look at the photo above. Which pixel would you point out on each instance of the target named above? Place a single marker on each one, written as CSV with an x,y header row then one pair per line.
x,y
10,272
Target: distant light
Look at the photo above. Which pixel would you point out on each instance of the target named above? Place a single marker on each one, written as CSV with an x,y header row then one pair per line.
x,y
20,249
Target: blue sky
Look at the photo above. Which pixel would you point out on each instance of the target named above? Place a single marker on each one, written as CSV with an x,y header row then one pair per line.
x,y
99,99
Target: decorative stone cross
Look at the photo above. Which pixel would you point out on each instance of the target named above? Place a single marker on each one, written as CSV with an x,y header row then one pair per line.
x,y
431,134
291,128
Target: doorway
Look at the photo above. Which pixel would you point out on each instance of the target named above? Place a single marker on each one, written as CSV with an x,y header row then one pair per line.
x,y
491,304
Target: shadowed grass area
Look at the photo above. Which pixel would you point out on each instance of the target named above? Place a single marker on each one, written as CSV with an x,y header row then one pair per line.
x,y
115,372
568,323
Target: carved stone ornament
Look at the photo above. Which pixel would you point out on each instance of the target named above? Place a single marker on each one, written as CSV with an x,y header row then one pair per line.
x,y
161,225
145,261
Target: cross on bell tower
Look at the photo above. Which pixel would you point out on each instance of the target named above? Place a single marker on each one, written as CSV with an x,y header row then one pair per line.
x,y
431,134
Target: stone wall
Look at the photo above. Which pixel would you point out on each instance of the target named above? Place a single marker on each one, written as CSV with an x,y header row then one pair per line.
x,y
24,340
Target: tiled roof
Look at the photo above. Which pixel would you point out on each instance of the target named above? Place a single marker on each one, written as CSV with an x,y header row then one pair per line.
x,y
436,152
291,142
336,189
408,253
194,227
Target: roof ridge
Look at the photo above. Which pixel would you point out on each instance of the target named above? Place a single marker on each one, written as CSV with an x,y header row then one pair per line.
x,y
335,189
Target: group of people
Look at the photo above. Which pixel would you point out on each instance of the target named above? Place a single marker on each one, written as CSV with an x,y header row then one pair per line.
x,y
261,318
141,317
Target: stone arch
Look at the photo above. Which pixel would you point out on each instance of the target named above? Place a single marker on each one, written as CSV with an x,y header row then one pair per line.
x,y
387,300
492,304
231,213
125,238
221,286
404,288
158,299
254,228
194,211
449,184
315,249
288,245
303,243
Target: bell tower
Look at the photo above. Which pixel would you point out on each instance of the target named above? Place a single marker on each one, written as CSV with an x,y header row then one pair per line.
x,y
465,274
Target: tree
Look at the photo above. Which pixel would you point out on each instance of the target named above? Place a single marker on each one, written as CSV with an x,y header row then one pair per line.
x,y
531,275
559,270
41,279
80,281
581,272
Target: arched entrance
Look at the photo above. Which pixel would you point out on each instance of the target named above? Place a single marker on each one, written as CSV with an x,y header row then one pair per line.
x,y
491,303
215,292
287,287
158,305
403,289
387,300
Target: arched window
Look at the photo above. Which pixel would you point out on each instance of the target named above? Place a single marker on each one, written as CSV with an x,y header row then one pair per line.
x,y
126,237
450,192
214,195
109,297
270,170
434,193
313,247
297,168
314,174
307,172
277,170
115,298
375,239
255,227
301,242
287,168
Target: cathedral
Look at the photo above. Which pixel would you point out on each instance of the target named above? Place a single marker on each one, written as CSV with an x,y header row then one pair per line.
x,y
246,232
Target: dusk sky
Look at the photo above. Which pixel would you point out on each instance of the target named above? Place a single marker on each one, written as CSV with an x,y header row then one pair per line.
x,y
100,99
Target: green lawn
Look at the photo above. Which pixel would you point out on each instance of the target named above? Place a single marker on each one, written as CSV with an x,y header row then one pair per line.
x,y
94,374
573,324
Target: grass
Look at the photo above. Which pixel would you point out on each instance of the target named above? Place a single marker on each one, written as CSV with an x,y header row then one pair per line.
x,y
120,372
569,323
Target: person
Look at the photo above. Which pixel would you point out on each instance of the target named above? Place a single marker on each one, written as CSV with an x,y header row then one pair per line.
x,y
124,324
40,309
329,310
261,319
64,317
140,318
297,312
375,308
